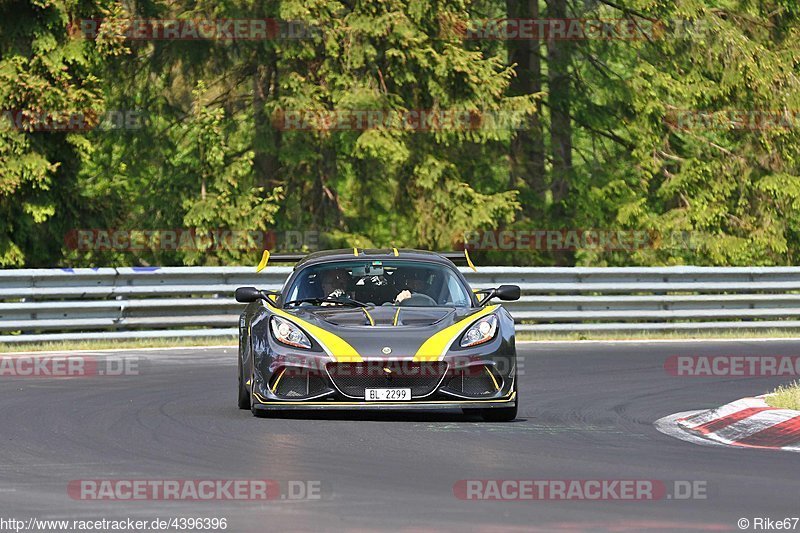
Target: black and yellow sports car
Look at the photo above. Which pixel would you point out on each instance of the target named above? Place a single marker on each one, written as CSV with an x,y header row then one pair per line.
x,y
377,329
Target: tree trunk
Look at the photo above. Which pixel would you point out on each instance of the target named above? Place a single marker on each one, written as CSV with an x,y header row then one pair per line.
x,y
527,145
267,142
559,55
326,211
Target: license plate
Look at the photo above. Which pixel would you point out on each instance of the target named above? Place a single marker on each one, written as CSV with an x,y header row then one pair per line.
x,y
387,395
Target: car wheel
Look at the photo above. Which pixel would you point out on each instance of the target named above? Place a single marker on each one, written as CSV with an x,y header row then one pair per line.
x,y
244,395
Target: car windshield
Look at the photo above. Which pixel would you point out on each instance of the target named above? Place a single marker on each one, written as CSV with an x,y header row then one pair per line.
x,y
401,283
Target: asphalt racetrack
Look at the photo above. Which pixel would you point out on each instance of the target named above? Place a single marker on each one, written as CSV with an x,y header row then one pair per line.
x,y
586,413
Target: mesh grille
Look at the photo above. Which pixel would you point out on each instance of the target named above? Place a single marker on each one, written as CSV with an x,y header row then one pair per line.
x,y
473,381
353,378
296,383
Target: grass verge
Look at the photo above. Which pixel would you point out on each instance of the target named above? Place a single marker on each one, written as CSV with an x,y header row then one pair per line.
x,y
785,397
67,346
659,335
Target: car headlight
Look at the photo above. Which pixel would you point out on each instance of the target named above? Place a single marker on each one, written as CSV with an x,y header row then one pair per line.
x,y
288,333
481,331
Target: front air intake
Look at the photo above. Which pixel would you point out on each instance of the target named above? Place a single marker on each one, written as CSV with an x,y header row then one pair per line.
x,y
474,381
294,383
421,377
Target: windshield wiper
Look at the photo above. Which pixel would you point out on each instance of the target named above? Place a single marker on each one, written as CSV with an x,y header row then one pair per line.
x,y
341,300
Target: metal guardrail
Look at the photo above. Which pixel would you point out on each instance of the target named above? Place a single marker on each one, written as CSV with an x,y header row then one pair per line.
x,y
146,302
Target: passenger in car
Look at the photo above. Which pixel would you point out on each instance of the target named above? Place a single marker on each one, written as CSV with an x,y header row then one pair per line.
x,y
333,283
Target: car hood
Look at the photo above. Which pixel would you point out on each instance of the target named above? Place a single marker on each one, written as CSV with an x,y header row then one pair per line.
x,y
384,316
403,330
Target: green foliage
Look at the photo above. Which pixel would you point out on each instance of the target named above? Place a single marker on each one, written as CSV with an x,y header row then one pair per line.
x,y
210,151
45,77
227,197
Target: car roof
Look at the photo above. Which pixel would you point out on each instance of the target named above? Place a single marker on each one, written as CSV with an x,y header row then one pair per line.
x,y
343,254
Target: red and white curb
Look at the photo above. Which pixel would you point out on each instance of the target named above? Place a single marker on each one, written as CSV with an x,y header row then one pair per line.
x,y
745,423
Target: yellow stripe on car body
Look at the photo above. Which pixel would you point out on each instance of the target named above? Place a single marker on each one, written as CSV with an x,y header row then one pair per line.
x,y
335,346
278,380
369,317
436,346
496,385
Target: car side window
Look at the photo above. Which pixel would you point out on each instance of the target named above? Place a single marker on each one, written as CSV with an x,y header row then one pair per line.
x,y
457,291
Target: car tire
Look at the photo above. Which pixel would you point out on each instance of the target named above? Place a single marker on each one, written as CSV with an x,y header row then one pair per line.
x,y
244,395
